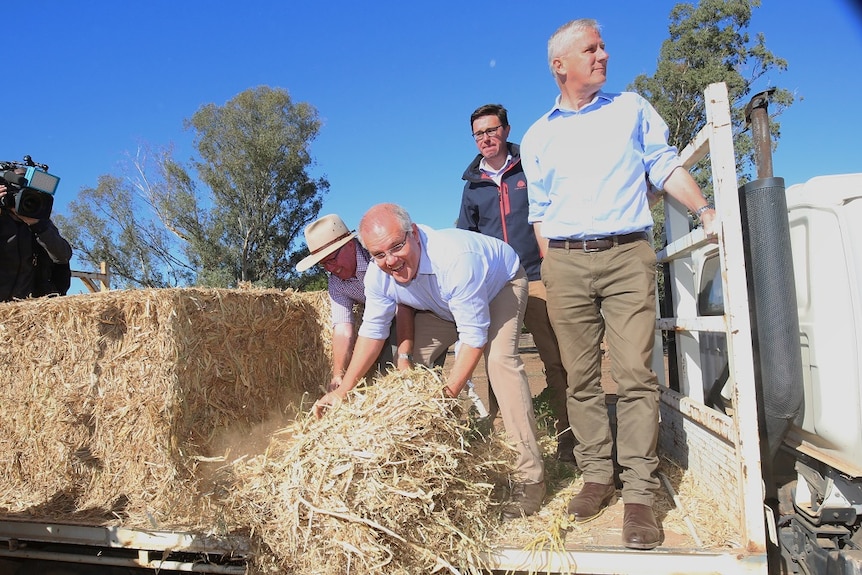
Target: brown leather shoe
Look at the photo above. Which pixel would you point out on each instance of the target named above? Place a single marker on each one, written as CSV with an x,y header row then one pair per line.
x,y
525,500
591,501
640,529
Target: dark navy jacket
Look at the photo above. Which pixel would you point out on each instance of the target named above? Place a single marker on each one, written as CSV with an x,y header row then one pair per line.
x,y
501,212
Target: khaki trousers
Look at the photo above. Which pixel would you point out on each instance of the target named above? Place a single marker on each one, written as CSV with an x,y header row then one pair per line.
x,y
504,367
539,324
612,293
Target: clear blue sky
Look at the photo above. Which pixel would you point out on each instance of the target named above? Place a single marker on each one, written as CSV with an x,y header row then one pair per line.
x,y
393,81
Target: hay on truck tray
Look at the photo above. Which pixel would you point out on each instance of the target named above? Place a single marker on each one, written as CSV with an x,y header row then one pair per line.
x,y
113,402
121,407
390,481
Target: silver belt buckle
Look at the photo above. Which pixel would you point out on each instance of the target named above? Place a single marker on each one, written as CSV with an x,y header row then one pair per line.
x,y
588,250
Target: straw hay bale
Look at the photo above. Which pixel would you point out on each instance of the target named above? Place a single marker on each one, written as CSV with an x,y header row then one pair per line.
x,y
387,482
123,407
112,402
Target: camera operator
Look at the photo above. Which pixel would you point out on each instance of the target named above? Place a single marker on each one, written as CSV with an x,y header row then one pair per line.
x,y
30,252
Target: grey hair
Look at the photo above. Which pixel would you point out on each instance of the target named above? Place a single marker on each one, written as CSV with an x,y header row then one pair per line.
x,y
373,215
565,35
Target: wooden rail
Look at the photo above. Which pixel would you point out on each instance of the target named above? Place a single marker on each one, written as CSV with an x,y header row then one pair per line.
x,y
95,281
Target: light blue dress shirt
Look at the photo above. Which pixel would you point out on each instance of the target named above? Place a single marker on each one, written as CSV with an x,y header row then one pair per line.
x,y
460,272
586,169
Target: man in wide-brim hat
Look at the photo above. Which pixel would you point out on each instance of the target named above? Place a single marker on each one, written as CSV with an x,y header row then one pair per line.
x,y
334,246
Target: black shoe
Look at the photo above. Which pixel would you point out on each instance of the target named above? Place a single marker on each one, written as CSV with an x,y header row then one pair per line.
x,y
566,453
566,447
526,500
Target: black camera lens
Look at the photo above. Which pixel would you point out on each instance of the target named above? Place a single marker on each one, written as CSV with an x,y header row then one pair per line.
x,y
29,204
34,204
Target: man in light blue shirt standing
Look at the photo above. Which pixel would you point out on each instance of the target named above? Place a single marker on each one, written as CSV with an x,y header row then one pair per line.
x,y
464,286
587,164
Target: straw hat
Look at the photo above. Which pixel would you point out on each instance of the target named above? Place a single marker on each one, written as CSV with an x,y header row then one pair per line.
x,y
323,237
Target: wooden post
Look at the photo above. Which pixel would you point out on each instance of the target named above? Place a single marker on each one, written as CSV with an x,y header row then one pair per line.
x,y
103,277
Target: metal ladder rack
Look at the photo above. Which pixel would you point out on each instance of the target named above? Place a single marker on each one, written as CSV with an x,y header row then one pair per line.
x,y
685,407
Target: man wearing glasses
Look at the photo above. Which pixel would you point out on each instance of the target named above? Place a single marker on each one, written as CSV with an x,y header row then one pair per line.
x,y
336,248
495,203
464,286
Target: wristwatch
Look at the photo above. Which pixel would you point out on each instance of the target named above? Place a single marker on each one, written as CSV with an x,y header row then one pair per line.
x,y
699,211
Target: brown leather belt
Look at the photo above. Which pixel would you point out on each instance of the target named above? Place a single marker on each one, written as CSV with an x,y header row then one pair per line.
x,y
598,244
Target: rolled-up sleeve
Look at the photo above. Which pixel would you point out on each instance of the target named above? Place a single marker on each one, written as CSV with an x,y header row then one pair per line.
x,y
341,307
468,298
379,307
660,158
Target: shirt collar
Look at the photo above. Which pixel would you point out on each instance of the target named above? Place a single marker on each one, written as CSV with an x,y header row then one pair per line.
x,y
425,266
362,260
599,99
491,172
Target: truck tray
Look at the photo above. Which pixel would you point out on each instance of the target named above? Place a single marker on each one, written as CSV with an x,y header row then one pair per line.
x,y
122,547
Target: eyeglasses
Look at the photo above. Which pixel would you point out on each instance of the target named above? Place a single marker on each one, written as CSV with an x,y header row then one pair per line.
x,y
393,251
330,259
480,135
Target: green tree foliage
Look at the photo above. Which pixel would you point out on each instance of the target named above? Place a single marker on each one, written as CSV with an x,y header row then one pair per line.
x,y
255,159
709,43
108,224
232,215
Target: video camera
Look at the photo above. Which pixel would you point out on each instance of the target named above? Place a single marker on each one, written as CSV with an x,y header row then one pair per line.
x,y
30,193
